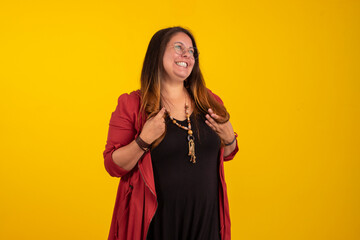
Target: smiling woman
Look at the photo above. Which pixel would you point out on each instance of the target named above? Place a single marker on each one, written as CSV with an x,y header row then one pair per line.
x,y
178,58
167,142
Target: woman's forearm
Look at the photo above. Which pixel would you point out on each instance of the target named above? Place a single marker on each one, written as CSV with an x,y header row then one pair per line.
x,y
127,156
229,149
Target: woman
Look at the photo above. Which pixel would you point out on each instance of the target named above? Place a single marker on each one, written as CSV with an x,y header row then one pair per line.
x,y
167,142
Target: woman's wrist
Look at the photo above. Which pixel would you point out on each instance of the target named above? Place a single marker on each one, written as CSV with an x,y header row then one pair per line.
x,y
232,141
142,144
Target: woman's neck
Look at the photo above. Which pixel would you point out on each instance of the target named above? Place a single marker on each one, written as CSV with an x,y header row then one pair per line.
x,y
173,97
173,91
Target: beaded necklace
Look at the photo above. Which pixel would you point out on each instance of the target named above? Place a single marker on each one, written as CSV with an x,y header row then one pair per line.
x,y
190,136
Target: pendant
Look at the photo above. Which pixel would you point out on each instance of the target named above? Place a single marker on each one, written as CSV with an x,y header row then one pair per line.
x,y
191,149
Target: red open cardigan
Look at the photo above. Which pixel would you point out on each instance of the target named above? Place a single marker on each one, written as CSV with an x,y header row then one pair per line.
x,y
136,200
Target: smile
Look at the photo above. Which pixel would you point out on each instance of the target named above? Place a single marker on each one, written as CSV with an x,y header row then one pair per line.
x,y
182,64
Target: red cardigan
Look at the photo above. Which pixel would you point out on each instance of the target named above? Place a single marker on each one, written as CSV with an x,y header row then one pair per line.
x,y
136,200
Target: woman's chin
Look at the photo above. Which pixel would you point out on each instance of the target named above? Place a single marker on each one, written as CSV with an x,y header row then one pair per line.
x,y
182,77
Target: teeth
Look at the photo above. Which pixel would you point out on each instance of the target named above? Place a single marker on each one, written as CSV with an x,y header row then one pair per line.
x,y
182,64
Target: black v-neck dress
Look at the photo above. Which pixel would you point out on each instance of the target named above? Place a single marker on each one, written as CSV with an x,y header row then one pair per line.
x,y
188,193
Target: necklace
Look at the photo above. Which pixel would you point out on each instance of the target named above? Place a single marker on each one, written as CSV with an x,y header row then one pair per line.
x,y
190,136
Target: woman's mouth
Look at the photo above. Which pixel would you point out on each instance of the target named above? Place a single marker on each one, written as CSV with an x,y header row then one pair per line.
x,y
182,64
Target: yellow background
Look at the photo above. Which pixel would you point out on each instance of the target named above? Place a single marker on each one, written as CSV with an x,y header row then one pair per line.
x,y
288,72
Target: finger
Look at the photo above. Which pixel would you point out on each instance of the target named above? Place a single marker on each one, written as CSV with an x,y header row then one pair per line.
x,y
211,120
160,114
210,125
217,117
214,115
211,112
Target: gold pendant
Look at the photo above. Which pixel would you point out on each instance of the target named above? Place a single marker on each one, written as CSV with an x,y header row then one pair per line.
x,y
192,151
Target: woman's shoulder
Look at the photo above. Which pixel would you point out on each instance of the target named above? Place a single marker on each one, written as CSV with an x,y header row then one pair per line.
x,y
129,103
132,98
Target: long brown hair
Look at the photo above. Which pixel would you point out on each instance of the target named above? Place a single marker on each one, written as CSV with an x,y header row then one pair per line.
x,y
153,69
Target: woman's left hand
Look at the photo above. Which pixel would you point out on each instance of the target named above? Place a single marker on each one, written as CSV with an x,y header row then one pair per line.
x,y
224,130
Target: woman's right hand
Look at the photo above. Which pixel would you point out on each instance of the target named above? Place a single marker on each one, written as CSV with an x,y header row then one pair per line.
x,y
154,127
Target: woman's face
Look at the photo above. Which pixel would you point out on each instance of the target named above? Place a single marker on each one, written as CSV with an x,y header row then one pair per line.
x,y
177,60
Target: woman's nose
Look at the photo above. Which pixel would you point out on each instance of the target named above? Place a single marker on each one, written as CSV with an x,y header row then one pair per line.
x,y
186,53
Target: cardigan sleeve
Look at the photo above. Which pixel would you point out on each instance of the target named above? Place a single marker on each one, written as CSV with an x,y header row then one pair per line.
x,y
233,153
121,131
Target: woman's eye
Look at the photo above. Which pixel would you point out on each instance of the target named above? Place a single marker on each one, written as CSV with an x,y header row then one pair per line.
x,y
178,47
191,51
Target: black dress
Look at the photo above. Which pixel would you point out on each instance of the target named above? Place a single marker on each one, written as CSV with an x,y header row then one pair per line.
x,y
188,193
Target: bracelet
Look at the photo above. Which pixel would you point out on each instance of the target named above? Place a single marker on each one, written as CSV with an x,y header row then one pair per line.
x,y
228,144
142,144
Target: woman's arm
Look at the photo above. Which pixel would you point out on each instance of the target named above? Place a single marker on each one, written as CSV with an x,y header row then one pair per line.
x,y
127,156
121,151
224,130
230,148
